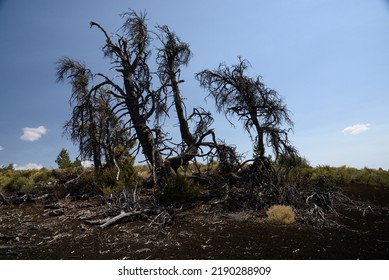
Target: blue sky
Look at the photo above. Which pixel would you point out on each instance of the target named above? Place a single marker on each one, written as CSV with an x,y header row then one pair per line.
x,y
328,59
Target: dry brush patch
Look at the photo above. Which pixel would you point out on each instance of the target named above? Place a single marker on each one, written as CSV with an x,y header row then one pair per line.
x,y
280,214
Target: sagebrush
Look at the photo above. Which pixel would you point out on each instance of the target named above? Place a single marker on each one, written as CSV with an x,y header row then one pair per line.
x,y
281,214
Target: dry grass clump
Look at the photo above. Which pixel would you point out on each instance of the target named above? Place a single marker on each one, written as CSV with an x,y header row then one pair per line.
x,y
280,214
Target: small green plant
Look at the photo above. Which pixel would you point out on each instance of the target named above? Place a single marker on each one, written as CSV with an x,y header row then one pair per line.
x,y
280,214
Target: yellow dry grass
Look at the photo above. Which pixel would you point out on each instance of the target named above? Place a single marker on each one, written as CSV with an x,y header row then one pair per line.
x,y
280,214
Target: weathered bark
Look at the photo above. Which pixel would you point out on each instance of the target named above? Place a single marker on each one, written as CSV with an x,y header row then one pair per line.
x,y
190,141
144,135
191,146
186,135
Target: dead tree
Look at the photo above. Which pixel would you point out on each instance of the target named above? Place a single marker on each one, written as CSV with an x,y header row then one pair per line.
x,y
262,112
140,102
93,126
82,126
136,100
171,56
259,108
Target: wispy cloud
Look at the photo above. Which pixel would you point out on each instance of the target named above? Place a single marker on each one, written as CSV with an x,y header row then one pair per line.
x,y
28,166
1,148
356,129
33,133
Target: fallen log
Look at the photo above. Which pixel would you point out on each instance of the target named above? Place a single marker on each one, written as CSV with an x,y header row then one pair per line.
x,y
96,222
40,197
118,218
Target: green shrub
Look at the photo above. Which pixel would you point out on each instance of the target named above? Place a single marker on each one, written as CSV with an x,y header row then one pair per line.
x,y
107,179
75,181
5,178
41,176
19,183
280,214
297,161
107,182
179,189
344,175
85,184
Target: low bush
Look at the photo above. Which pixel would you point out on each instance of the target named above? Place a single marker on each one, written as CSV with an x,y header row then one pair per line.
x,y
179,189
107,178
19,183
75,181
41,176
280,214
127,179
85,184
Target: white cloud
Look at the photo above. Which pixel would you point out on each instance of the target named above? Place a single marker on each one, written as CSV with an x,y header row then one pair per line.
x,y
356,129
1,148
86,163
28,166
33,133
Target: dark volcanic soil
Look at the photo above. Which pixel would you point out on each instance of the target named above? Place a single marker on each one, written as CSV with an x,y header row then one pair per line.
x,y
30,231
